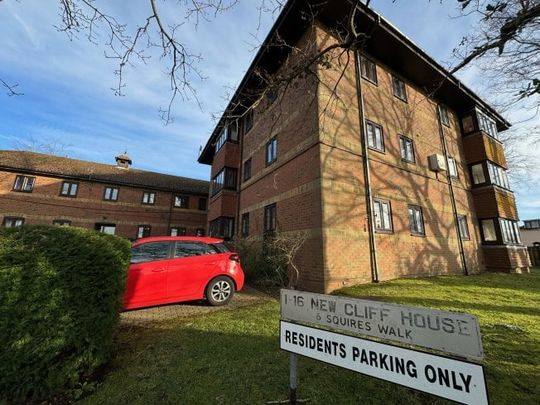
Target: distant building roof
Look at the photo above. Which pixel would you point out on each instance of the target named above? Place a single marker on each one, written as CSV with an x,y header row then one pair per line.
x,y
39,163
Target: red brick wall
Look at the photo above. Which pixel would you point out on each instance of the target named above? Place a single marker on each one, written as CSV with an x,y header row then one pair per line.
x,y
345,220
293,181
44,204
513,259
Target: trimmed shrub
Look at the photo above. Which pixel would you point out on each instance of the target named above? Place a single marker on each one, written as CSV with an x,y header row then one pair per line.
x,y
60,295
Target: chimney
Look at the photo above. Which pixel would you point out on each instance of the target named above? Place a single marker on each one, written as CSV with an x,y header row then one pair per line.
x,y
123,161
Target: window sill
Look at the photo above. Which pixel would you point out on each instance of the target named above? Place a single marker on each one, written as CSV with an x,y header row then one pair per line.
x,y
502,244
402,99
410,162
384,231
418,235
377,150
367,79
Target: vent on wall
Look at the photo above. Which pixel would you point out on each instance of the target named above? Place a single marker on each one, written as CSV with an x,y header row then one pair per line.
x,y
437,163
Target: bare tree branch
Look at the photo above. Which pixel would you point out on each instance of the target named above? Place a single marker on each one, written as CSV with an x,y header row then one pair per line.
x,y
11,89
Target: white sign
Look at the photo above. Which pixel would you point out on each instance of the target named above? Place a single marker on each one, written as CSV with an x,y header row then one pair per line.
x,y
447,378
450,332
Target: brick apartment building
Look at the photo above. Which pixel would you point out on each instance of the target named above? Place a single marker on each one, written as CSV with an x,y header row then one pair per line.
x,y
391,166
37,188
530,232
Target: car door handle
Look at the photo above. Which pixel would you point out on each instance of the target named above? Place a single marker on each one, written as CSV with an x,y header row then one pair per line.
x,y
159,269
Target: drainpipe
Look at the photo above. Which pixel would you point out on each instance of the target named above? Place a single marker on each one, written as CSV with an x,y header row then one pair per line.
x,y
239,180
367,181
169,219
452,196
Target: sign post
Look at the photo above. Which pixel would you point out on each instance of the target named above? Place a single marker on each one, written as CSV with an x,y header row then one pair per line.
x,y
454,333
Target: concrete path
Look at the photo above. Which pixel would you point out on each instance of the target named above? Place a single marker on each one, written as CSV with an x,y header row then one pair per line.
x,y
164,313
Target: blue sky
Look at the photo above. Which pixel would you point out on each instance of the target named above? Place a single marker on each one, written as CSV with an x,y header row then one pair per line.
x,y
67,83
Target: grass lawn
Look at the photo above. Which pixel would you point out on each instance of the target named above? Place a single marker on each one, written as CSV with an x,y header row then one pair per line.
x,y
233,357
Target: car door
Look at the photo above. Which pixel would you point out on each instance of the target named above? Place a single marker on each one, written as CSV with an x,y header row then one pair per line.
x,y
190,269
147,274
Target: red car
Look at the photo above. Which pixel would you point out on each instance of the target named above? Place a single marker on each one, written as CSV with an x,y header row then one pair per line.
x,y
181,268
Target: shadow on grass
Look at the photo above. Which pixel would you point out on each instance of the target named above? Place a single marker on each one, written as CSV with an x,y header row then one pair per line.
x,y
203,364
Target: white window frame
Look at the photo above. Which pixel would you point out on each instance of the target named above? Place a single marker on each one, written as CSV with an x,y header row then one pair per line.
x,y
406,147
375,136
416,220
382,215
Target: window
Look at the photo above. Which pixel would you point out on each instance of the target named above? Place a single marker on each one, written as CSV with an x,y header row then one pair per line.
x,y
149,198
13,222
232,131
202,203
248,121
176,231
368,69
487,125
245,224
199,232
225,179
488,230
190,249
24,184
443,113
222,227
498,175
270,220
69,189
416,220
407,149
510,231
463,227
271,96
181,201
375,136
143,231
452,168
62,222
382,215
399,88
222,138
228,133
478,174
110,194
271,151
507,229
247,170
151,251
109,229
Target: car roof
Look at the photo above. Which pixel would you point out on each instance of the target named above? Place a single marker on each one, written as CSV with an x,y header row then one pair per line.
x,y
203,239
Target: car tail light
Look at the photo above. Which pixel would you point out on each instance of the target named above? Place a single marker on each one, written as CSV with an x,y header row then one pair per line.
x,y
234,258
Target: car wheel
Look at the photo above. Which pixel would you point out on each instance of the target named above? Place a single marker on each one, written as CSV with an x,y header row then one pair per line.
x,y
219,291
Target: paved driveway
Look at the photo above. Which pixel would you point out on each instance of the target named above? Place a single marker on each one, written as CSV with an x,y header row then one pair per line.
x,y
141,317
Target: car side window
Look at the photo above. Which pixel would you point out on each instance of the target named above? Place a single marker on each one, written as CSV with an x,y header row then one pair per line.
x,y
188,249
151,251
221,247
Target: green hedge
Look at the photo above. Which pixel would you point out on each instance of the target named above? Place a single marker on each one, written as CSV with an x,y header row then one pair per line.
x,y
60,296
